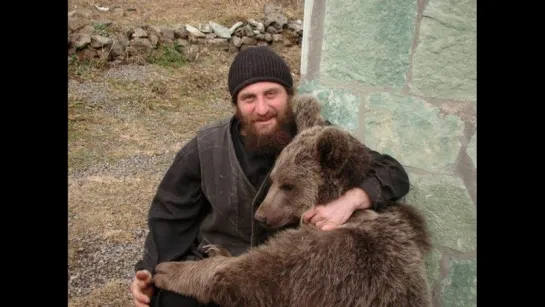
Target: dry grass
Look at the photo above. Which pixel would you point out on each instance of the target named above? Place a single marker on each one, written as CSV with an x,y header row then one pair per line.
x,y
119,113
142,117
171,12
113,293
109,206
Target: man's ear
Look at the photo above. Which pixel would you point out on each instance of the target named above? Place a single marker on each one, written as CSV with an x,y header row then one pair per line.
x,y
307,111
333,149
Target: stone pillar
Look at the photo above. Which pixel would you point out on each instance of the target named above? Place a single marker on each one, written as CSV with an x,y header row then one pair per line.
x,y
401,76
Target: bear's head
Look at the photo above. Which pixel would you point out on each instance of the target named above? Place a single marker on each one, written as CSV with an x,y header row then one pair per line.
x,y
318,166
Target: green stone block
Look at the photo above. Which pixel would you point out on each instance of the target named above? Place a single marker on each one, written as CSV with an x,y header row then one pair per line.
x,y
472,149
368,41
338,105
459,288
448,209
411,130
432,261
445,60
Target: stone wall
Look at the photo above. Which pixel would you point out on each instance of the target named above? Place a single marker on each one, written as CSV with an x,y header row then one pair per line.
x,y
99,39
401,76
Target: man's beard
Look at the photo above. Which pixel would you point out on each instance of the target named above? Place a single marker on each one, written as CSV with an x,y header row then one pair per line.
x,y
270,143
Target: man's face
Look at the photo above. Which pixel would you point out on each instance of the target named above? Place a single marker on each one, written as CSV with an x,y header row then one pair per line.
x,y
260,104
264,109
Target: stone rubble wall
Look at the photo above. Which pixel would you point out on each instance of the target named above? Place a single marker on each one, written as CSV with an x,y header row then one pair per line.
x,y
90,40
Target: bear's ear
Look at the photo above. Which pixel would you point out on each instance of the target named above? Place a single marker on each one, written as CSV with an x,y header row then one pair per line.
x,y
307,111
332,149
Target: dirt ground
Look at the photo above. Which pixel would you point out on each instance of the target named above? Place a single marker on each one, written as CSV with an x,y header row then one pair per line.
x,y
125,124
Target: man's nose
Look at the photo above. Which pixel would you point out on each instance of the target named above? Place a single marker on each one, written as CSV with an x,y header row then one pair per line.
x,y
261,107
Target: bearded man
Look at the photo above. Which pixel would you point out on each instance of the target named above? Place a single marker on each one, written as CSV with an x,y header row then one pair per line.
x,y
218,179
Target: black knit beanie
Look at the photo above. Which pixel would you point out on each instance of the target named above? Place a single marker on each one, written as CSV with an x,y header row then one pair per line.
x,y
256,64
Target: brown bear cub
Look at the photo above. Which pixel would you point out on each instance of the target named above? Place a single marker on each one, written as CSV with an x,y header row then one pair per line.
x,y
374,259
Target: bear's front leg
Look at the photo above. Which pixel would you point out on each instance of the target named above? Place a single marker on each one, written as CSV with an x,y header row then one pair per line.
x,y
190,278
175,276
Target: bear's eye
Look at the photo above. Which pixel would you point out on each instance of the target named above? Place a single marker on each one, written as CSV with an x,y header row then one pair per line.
x,y
286,187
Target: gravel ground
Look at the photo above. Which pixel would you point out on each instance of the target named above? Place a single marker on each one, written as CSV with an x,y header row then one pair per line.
x,y
99,262
139,164
132,73
116,102
94,93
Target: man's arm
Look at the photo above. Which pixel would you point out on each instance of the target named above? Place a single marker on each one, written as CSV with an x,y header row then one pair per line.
x,y
175,211
388,180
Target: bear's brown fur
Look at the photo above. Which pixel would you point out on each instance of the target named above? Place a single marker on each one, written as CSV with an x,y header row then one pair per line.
x,y
375,259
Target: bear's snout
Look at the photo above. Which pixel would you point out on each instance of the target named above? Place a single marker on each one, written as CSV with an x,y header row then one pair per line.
x,y
261,219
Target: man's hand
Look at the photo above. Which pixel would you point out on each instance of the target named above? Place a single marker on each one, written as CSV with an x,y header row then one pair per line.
x,y
337,212
142,288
